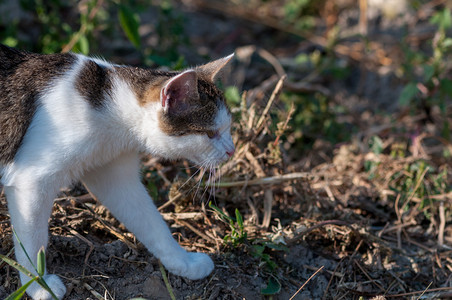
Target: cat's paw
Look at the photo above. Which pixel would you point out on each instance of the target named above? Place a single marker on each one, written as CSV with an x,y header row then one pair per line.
x,y
191,265
54,282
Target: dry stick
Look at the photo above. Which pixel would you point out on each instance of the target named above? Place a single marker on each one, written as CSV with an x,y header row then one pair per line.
x,y
442,223
363,17
284,127
399,218
423,292
182,216
268,204
112,230
332,277
268,194
266,180
420,292
272,60
304,232
93,291
368,276
202,235
170,201
90,244
312,276
273,96
339,275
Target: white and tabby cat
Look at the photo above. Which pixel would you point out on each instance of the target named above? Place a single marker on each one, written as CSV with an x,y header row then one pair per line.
x,y
67,117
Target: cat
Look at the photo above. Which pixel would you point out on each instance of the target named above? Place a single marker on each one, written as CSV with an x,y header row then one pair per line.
x,y
68,117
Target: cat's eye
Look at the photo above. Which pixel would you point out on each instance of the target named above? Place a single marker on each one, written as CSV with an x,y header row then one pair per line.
x,y
212,134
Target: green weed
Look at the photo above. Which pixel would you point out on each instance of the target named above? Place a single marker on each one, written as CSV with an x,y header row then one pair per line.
x,y
40,270
258,248
419,180
238,235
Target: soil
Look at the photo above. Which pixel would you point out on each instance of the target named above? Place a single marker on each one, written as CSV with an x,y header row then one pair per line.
x,y
334,232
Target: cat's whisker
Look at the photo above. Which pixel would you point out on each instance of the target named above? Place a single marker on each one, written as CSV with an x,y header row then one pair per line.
x,y
198,185
199,168
188,180
206,187
212,187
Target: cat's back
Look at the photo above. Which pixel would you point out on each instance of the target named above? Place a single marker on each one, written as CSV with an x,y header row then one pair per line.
x,y
9,58
24,77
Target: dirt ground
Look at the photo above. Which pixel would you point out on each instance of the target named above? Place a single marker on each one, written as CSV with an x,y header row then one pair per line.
x,y
321,225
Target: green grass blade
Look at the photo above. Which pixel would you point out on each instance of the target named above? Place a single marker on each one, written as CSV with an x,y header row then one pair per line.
x,y
44,284
41,262
19,293
219,212
16,266
23,249
239,219
165,279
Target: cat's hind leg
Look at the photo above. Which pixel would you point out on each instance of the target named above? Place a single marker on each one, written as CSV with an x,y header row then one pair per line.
x,y
30,205
118,186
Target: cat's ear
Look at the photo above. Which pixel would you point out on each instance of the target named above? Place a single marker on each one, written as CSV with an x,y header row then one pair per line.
x,y
179,90
214,70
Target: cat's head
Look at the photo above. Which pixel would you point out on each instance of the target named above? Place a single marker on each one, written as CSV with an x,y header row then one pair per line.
x,y
193,116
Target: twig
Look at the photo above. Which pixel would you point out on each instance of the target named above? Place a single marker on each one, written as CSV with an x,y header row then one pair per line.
x,y
440,289
265,180
321,224
423,292
112,229
93,291
90,244
273,96
332,277
368,276
183,216
309,279
272,60
199,233
268,205
170,201
442,224
334,274
284,127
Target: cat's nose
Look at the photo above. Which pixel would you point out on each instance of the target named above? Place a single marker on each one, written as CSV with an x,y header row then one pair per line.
x,y
230,152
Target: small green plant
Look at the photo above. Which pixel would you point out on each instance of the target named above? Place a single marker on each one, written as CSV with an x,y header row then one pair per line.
x,y
238,235
420,180
257,247
371,165
40,270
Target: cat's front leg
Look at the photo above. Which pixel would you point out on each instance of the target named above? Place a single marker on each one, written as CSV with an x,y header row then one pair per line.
x,y
30,206
118,186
